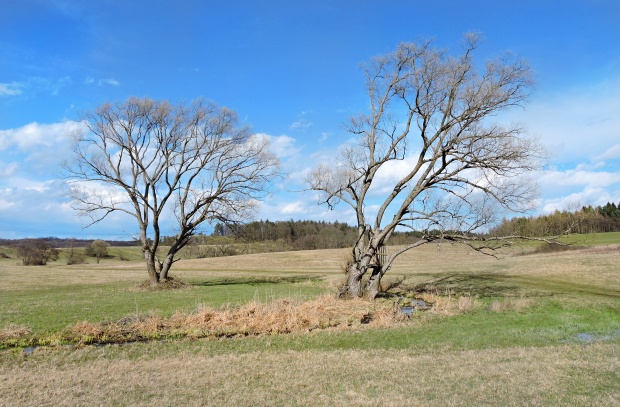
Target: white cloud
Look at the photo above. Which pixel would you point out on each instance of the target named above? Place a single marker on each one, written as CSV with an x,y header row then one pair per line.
x,y
11,89
28,184
6,170
40,208
301,124
579,176
582,185
281,207
99,82
296,207
109,81
389,174
612,153
282,146
42,146
588,196
574,124
34,85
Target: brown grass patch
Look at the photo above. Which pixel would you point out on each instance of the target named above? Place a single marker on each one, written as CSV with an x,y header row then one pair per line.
x,y
450,305
511,304
13,332
255,318
282,316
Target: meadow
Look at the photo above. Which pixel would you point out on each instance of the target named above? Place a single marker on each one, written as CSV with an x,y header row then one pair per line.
x,y
533,327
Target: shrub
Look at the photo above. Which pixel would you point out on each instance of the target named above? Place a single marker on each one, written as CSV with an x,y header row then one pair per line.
x,y
36,252
98,249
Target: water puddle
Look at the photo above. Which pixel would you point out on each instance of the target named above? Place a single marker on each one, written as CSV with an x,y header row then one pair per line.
x,y
586,338
408,306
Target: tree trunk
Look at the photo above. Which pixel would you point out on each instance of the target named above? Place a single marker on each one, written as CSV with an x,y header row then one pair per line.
x,y
165,267
151,267
354,280
355,274
374,283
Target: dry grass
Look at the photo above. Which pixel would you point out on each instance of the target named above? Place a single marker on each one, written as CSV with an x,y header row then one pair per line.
x,y
12,333
255,318
558,375
511,304
280,316
204,373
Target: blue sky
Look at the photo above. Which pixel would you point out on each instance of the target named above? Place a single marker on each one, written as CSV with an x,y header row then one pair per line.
x,y
291,71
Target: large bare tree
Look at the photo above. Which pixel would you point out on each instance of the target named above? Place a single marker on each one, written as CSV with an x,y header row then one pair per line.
x,y
153,161
427,155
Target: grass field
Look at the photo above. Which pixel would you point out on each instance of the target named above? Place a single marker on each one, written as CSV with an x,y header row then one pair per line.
x,y
538,329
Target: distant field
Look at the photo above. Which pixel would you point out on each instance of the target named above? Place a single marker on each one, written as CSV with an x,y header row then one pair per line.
x,y
542,329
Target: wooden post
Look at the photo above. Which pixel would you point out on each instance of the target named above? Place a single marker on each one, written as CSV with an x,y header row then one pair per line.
x,y
381,255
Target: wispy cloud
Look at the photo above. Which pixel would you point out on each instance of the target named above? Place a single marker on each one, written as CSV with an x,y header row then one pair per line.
x,y
577,123
11,89
100,82
33,86
301,124
612,153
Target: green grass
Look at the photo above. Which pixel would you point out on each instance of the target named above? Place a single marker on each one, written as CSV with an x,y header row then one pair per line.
x,y
561,346
593,239
53,308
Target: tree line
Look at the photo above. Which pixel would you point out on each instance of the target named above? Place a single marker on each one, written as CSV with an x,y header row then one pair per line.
x,y
587,219
286,235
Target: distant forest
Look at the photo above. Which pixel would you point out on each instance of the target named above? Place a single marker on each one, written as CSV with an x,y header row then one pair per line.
x,y
283,235
310,235
65,243
588,219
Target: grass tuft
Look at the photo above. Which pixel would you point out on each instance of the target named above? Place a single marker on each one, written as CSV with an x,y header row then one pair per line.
x,y
511,304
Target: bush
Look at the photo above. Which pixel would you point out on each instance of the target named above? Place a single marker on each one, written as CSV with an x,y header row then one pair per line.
x,y
76,257
36,252
98,249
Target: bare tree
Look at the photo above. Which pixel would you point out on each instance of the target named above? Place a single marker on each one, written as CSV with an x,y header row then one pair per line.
x,y
427,155
153,161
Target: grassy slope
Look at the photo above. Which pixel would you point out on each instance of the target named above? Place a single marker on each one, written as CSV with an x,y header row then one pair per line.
x,y
563,348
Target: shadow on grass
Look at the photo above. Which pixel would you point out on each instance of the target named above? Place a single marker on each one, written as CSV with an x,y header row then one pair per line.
x,y
552,248
255,281
488,285
482,285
